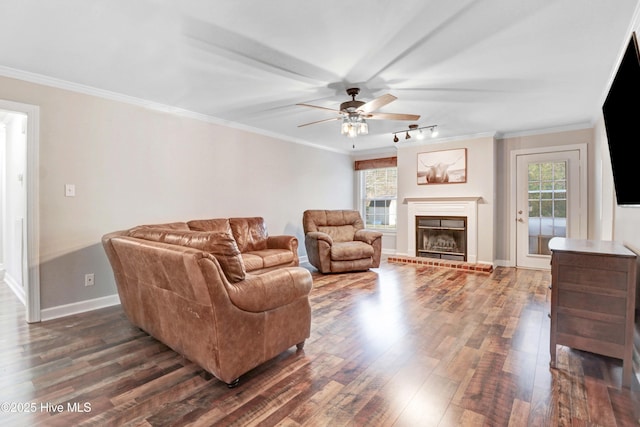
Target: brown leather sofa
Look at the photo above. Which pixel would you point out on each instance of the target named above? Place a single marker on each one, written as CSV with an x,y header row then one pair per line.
x,y
260,252
191,290
337,242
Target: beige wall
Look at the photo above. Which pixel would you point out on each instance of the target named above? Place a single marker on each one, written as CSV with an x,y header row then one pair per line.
x,y
133,165
481,176
504,181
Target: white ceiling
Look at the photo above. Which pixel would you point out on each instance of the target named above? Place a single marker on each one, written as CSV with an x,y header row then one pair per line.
x,y
471,67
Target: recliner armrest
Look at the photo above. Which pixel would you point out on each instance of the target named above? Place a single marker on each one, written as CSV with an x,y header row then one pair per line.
x,y
319,235
368,236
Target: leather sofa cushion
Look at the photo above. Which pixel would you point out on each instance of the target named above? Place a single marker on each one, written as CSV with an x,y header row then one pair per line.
x,y
170,225
267,258
272,257
252,262
250,233
216,224
349,251
221,245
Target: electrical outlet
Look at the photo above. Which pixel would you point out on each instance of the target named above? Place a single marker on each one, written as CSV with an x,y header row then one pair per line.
x,y
89,279
70,190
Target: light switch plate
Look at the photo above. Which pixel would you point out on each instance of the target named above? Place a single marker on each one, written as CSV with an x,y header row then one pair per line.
x,y
69,190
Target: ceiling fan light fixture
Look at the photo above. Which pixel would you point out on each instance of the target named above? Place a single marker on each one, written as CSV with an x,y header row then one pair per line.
x,y
407,136
354,125
345,126
395,138
363,127
434,132
355,112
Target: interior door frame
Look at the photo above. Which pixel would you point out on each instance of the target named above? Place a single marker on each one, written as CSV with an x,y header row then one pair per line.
x,y
582,193
31,263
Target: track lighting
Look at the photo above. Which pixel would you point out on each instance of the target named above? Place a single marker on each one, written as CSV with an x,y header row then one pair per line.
x,y
416,131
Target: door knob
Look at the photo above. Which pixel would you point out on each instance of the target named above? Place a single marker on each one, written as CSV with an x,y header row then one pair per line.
x,y
520,220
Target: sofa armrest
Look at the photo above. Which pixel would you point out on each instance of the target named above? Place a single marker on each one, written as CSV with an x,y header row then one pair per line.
x,y
367,236
282,242
276,288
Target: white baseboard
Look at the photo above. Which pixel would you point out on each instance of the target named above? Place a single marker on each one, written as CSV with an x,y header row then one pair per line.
x,y
15,288
78,307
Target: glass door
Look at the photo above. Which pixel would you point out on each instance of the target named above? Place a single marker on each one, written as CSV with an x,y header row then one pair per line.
x,y
547,204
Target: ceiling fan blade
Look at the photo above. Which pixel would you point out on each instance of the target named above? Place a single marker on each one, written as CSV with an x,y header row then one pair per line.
x,y
377,103
321,108
320,121
392,116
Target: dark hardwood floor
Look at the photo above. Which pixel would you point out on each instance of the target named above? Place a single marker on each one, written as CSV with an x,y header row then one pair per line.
x,y
402,345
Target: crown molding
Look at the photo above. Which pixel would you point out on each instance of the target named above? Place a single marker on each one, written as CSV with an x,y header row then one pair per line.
x,y
154,106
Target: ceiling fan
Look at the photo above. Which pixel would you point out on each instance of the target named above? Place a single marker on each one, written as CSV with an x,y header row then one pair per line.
x,y
354,113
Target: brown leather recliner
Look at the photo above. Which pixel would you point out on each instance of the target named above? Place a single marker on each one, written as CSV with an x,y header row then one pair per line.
x,y
337,242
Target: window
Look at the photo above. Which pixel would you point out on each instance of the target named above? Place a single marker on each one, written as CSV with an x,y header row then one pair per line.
x,y
547,204
378,195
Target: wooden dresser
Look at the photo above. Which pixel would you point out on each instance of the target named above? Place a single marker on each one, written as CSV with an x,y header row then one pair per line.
x,y
593,295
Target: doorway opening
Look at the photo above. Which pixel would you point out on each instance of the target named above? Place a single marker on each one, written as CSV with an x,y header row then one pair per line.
x,y
548,199
19,259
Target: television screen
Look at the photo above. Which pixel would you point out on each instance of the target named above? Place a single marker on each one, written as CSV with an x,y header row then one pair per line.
x,y
621,111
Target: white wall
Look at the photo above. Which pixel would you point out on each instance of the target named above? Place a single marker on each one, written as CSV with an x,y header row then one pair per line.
x,y
133,165
604,196
481,176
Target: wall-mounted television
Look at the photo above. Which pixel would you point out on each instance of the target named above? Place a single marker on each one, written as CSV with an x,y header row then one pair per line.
x,y
621,111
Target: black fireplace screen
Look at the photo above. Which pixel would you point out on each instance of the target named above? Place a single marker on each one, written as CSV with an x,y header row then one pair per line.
x,y
441,237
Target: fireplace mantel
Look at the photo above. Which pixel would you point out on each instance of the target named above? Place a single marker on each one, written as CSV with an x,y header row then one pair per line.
x,y
445,206
408,200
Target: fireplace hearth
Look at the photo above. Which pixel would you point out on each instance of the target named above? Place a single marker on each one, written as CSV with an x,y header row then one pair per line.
x,y
442,237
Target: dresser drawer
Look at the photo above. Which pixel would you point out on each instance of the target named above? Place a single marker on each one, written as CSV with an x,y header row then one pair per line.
x,y
591,302
611,332
592,261
592,277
